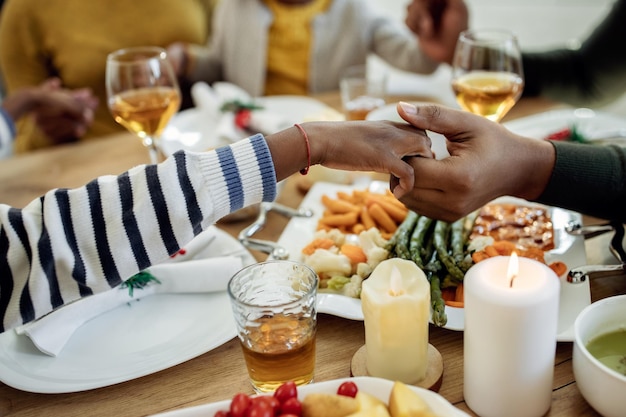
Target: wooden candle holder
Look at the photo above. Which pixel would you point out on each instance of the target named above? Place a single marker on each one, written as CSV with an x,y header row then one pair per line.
x,y
434,372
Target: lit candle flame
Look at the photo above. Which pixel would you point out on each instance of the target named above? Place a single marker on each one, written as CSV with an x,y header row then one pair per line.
x,y
513,269
395,283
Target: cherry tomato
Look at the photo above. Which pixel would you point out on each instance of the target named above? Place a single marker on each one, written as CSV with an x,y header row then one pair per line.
x,y
221,413
273,402
260,409
239,404
348,388
291,406
242,118
286,391
290,415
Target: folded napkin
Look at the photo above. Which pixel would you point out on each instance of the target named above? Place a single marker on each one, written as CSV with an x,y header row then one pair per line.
x,y
51,332
211,100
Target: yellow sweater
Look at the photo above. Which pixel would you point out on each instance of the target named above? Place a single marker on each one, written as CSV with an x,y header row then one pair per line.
x,y
71,39
289,46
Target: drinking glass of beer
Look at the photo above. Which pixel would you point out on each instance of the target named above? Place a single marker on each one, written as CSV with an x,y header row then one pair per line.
x,y
487,75
361,91
274,305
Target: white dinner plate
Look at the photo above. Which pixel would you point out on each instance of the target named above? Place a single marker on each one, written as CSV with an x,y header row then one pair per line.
x,y
192,130
378,387
591,124
130,341
569,249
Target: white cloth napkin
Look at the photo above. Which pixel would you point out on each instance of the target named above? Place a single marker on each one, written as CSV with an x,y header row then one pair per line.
x,y
51,332
210,100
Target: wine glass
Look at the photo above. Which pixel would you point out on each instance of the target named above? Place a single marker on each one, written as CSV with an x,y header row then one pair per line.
x,y
487,75
142,92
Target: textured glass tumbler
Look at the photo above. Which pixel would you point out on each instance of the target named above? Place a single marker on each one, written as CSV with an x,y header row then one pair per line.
x,y
274,304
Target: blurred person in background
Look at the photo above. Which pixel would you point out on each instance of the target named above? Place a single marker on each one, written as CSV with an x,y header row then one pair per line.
x,y
270,47
70,39
60,113
592,74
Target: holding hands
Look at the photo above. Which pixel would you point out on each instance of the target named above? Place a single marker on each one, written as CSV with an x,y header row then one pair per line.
x,y
63,115
486,161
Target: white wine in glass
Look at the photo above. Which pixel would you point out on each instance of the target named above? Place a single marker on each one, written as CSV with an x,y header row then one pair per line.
x,y
487,75
142,93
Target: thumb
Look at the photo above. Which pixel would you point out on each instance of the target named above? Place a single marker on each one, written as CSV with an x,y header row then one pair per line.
x,y
438,119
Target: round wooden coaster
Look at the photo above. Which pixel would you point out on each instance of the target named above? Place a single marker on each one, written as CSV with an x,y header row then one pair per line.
x,y
434,372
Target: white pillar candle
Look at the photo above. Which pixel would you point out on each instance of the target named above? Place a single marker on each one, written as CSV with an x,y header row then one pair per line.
x,y
511,320
396,306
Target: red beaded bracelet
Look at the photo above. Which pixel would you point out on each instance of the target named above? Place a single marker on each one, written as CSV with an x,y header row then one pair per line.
x,y
305,171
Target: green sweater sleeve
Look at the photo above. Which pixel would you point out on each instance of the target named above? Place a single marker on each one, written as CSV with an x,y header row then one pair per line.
x,y
593,74
590,179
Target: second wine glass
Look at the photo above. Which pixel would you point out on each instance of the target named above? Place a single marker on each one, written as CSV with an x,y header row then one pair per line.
x,y
487,75
143,93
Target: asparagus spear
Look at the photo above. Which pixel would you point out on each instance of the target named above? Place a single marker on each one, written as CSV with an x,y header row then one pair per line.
x,y
416,244
403,234
440,241
437,304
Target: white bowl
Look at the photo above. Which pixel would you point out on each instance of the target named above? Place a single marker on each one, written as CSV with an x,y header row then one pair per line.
x,y
603,388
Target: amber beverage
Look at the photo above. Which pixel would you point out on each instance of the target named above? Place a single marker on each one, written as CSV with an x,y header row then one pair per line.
x,y
361,92
487,73
359,108
145,111
279,349
274,306
142,93
489,94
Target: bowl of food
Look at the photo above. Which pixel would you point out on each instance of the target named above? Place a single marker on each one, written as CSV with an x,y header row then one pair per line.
x,y
599,356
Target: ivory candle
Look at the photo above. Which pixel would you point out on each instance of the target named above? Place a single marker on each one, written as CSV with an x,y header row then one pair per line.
x,y
511,319
396,306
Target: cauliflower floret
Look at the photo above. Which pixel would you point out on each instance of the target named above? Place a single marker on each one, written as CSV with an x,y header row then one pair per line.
x,y
373,244
353,288
333,234
350,287
479,243
326,262
364,269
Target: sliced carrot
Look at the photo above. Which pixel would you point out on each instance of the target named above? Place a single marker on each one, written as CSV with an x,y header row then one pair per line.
x,y
320,243
354,252
479,256
504,247
448,294
459,294
457,304
558,267
491,251
366,219
338,206
382,218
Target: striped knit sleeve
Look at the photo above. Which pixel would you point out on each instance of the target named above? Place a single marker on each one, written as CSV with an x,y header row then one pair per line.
x,y
69,244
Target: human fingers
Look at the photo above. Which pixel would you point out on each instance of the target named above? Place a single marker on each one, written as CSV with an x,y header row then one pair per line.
x,y
368,146
418,20
50,84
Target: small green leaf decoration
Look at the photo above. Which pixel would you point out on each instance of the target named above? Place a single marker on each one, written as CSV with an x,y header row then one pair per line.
x,y
238,105
140,280
577,136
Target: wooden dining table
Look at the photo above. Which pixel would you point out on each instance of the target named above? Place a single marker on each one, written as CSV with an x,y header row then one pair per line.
x,y
220,373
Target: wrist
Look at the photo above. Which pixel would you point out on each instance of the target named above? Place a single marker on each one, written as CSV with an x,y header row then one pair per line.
x,y
538,158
